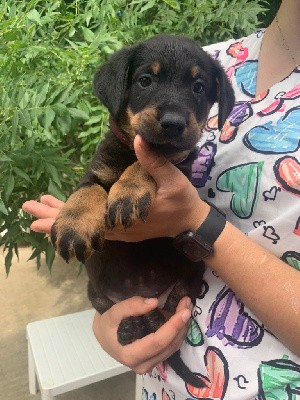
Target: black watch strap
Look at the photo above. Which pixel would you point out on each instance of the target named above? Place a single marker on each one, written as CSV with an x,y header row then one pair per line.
x,y
199,244
212,226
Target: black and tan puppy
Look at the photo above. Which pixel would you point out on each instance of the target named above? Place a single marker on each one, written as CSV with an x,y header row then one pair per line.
x,y
161,89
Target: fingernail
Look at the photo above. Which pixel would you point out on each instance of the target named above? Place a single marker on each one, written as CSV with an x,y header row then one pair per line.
x,y
150,300
186,315
188,303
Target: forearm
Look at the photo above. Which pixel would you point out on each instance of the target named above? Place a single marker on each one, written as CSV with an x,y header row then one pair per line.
x,y
267,285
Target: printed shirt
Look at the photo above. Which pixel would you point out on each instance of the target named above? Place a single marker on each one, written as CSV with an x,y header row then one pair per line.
x,y
251,170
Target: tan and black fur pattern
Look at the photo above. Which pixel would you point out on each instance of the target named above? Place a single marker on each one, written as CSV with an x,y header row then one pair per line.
x,y
162,89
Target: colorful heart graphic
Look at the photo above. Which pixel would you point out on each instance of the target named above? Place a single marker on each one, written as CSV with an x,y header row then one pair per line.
x,y
279,138
243,181
292,258
216,381
228,132
239,52
202,165
279,379
287,172
279,102
194,335
246,77
231,324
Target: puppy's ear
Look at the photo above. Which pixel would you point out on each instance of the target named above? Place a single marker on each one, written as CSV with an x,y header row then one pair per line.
x,y
110,81
225,95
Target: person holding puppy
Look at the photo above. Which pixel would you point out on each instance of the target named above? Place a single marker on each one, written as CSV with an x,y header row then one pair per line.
x,y
243,335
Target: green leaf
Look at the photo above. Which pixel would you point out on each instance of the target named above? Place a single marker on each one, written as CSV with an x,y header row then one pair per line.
x,y
14,126
4,158
79,114
55,190
172,3
72,31
29,145
49,116
34,254
3,209
8,260
34,16
50,255
54,174
22,174
60,109
25,119
42,94
147,6
9,186
88,34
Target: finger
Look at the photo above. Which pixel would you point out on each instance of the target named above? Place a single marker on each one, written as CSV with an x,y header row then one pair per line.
x,y
52,201
132,307
164,341
42,225
40,210
156,165
184,303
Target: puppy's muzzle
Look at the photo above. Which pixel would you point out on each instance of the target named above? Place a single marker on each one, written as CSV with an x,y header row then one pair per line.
x,y
173,124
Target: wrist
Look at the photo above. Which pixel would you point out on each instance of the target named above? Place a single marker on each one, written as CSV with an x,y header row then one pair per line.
x,y
195,218
198,244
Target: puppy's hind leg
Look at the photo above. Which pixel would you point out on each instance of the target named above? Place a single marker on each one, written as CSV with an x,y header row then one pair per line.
x,y
100,303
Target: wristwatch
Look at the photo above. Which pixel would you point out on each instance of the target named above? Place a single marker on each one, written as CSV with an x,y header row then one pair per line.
x,y
199,244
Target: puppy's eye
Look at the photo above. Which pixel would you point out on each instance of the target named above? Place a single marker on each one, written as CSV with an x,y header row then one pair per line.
x,y
198,86
145,81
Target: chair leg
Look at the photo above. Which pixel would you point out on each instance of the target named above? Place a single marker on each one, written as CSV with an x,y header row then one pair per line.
x,y
46,395
138,387
33,384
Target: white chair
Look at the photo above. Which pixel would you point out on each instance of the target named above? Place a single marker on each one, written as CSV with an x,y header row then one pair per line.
x,y
63,355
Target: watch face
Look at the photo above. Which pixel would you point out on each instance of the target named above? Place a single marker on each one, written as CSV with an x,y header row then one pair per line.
x,y
191,248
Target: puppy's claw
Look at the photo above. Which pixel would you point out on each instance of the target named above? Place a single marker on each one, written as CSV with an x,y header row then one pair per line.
x,y
143,206
119,212
125,210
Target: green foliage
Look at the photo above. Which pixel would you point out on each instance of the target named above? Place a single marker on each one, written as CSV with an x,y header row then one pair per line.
x,y
50,120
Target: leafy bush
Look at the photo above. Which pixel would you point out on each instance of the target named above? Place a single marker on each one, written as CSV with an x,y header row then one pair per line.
x,y
50,120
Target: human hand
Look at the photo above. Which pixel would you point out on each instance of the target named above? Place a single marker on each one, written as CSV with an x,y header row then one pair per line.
x,y
176,208
143,354
46,212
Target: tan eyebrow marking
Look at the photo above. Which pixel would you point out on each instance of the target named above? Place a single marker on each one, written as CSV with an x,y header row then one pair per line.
x,y
155,68
195,70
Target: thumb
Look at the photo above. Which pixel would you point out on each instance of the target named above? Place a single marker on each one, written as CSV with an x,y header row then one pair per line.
x,y
155,164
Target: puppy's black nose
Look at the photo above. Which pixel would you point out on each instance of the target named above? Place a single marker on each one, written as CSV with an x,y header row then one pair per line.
x,y
172,123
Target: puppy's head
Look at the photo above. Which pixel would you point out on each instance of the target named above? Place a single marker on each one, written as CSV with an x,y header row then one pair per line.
x,y
163,89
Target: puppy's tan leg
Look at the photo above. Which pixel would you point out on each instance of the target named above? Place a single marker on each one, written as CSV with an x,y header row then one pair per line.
x,y
79,228
130,198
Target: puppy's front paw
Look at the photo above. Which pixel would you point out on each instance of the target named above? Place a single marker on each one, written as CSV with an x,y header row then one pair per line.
x,y
130,198
79,228
126,204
